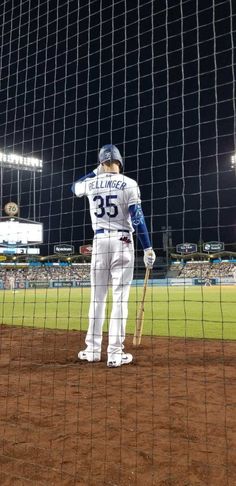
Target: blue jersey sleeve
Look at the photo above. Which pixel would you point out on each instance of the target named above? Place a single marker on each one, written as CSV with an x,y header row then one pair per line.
x,y
87,176
139,224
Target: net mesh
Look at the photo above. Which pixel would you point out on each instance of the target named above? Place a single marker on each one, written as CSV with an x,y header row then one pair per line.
x,y
157,79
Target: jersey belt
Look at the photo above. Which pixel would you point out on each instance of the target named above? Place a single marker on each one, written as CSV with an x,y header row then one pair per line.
x,y
98,231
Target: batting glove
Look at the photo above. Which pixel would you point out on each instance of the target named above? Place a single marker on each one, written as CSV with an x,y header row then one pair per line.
x,y
149,257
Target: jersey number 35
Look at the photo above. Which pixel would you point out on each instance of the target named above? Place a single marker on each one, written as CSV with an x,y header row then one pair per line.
x,y
106,205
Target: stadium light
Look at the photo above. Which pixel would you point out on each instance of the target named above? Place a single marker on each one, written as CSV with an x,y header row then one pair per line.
x,y
19,163
233,162
14,161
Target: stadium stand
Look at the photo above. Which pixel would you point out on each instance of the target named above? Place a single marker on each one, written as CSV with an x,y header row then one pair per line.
x,y
45,273
205,269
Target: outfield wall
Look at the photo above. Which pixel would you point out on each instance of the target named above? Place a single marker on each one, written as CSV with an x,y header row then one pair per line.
x,y
164,282
45,284
187,282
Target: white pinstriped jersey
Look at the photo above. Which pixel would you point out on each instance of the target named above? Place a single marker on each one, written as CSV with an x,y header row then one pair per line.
x,y
110,196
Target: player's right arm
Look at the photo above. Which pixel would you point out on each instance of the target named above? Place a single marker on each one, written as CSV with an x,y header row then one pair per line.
x,y
79,186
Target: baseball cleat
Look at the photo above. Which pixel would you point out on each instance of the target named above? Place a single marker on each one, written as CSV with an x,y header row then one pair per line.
x,y
126,358
89,356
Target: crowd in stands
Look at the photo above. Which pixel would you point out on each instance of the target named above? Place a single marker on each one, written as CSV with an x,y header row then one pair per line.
x,y
44,273
206,269
190,269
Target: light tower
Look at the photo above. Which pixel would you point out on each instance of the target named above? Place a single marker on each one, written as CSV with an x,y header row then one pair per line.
x,y
16,233
18,163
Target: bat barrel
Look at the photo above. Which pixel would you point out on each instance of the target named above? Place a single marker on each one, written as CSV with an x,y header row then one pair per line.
x,y
140,315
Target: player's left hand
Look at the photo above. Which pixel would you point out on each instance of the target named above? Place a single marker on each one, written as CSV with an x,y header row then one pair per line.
x,y
149,257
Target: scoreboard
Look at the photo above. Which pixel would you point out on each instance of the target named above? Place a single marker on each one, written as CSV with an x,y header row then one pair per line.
x,y
20,232
17,234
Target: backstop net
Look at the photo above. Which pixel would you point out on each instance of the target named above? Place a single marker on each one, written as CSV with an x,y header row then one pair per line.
x,y
157,79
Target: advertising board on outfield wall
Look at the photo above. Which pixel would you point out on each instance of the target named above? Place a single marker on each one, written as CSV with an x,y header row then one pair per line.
x,y
204,281
164,282
62,283
37,284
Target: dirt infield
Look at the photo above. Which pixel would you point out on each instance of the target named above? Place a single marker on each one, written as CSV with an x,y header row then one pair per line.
x,y
169,419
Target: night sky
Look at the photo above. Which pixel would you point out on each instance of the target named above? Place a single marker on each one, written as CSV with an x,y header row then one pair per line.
x,y
156,78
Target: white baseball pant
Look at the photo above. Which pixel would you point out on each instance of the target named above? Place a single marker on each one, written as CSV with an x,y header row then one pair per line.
x,y
112,263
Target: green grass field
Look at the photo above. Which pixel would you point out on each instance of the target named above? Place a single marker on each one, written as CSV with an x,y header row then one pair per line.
x,y
198,312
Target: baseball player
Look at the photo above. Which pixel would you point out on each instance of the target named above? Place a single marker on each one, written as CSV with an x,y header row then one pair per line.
x,y
115,209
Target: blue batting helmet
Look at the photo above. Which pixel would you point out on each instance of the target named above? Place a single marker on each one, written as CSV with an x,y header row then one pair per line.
x,y
109,153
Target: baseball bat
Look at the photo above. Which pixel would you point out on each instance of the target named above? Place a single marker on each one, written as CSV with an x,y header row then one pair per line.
x,y
140,314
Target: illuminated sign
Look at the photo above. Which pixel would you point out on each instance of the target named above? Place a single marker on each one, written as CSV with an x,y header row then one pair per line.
x,y
213,246
14,250
11,209
64,249
86,249
186,248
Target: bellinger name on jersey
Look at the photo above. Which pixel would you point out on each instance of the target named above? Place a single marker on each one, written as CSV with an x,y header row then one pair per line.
x,y
106,184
